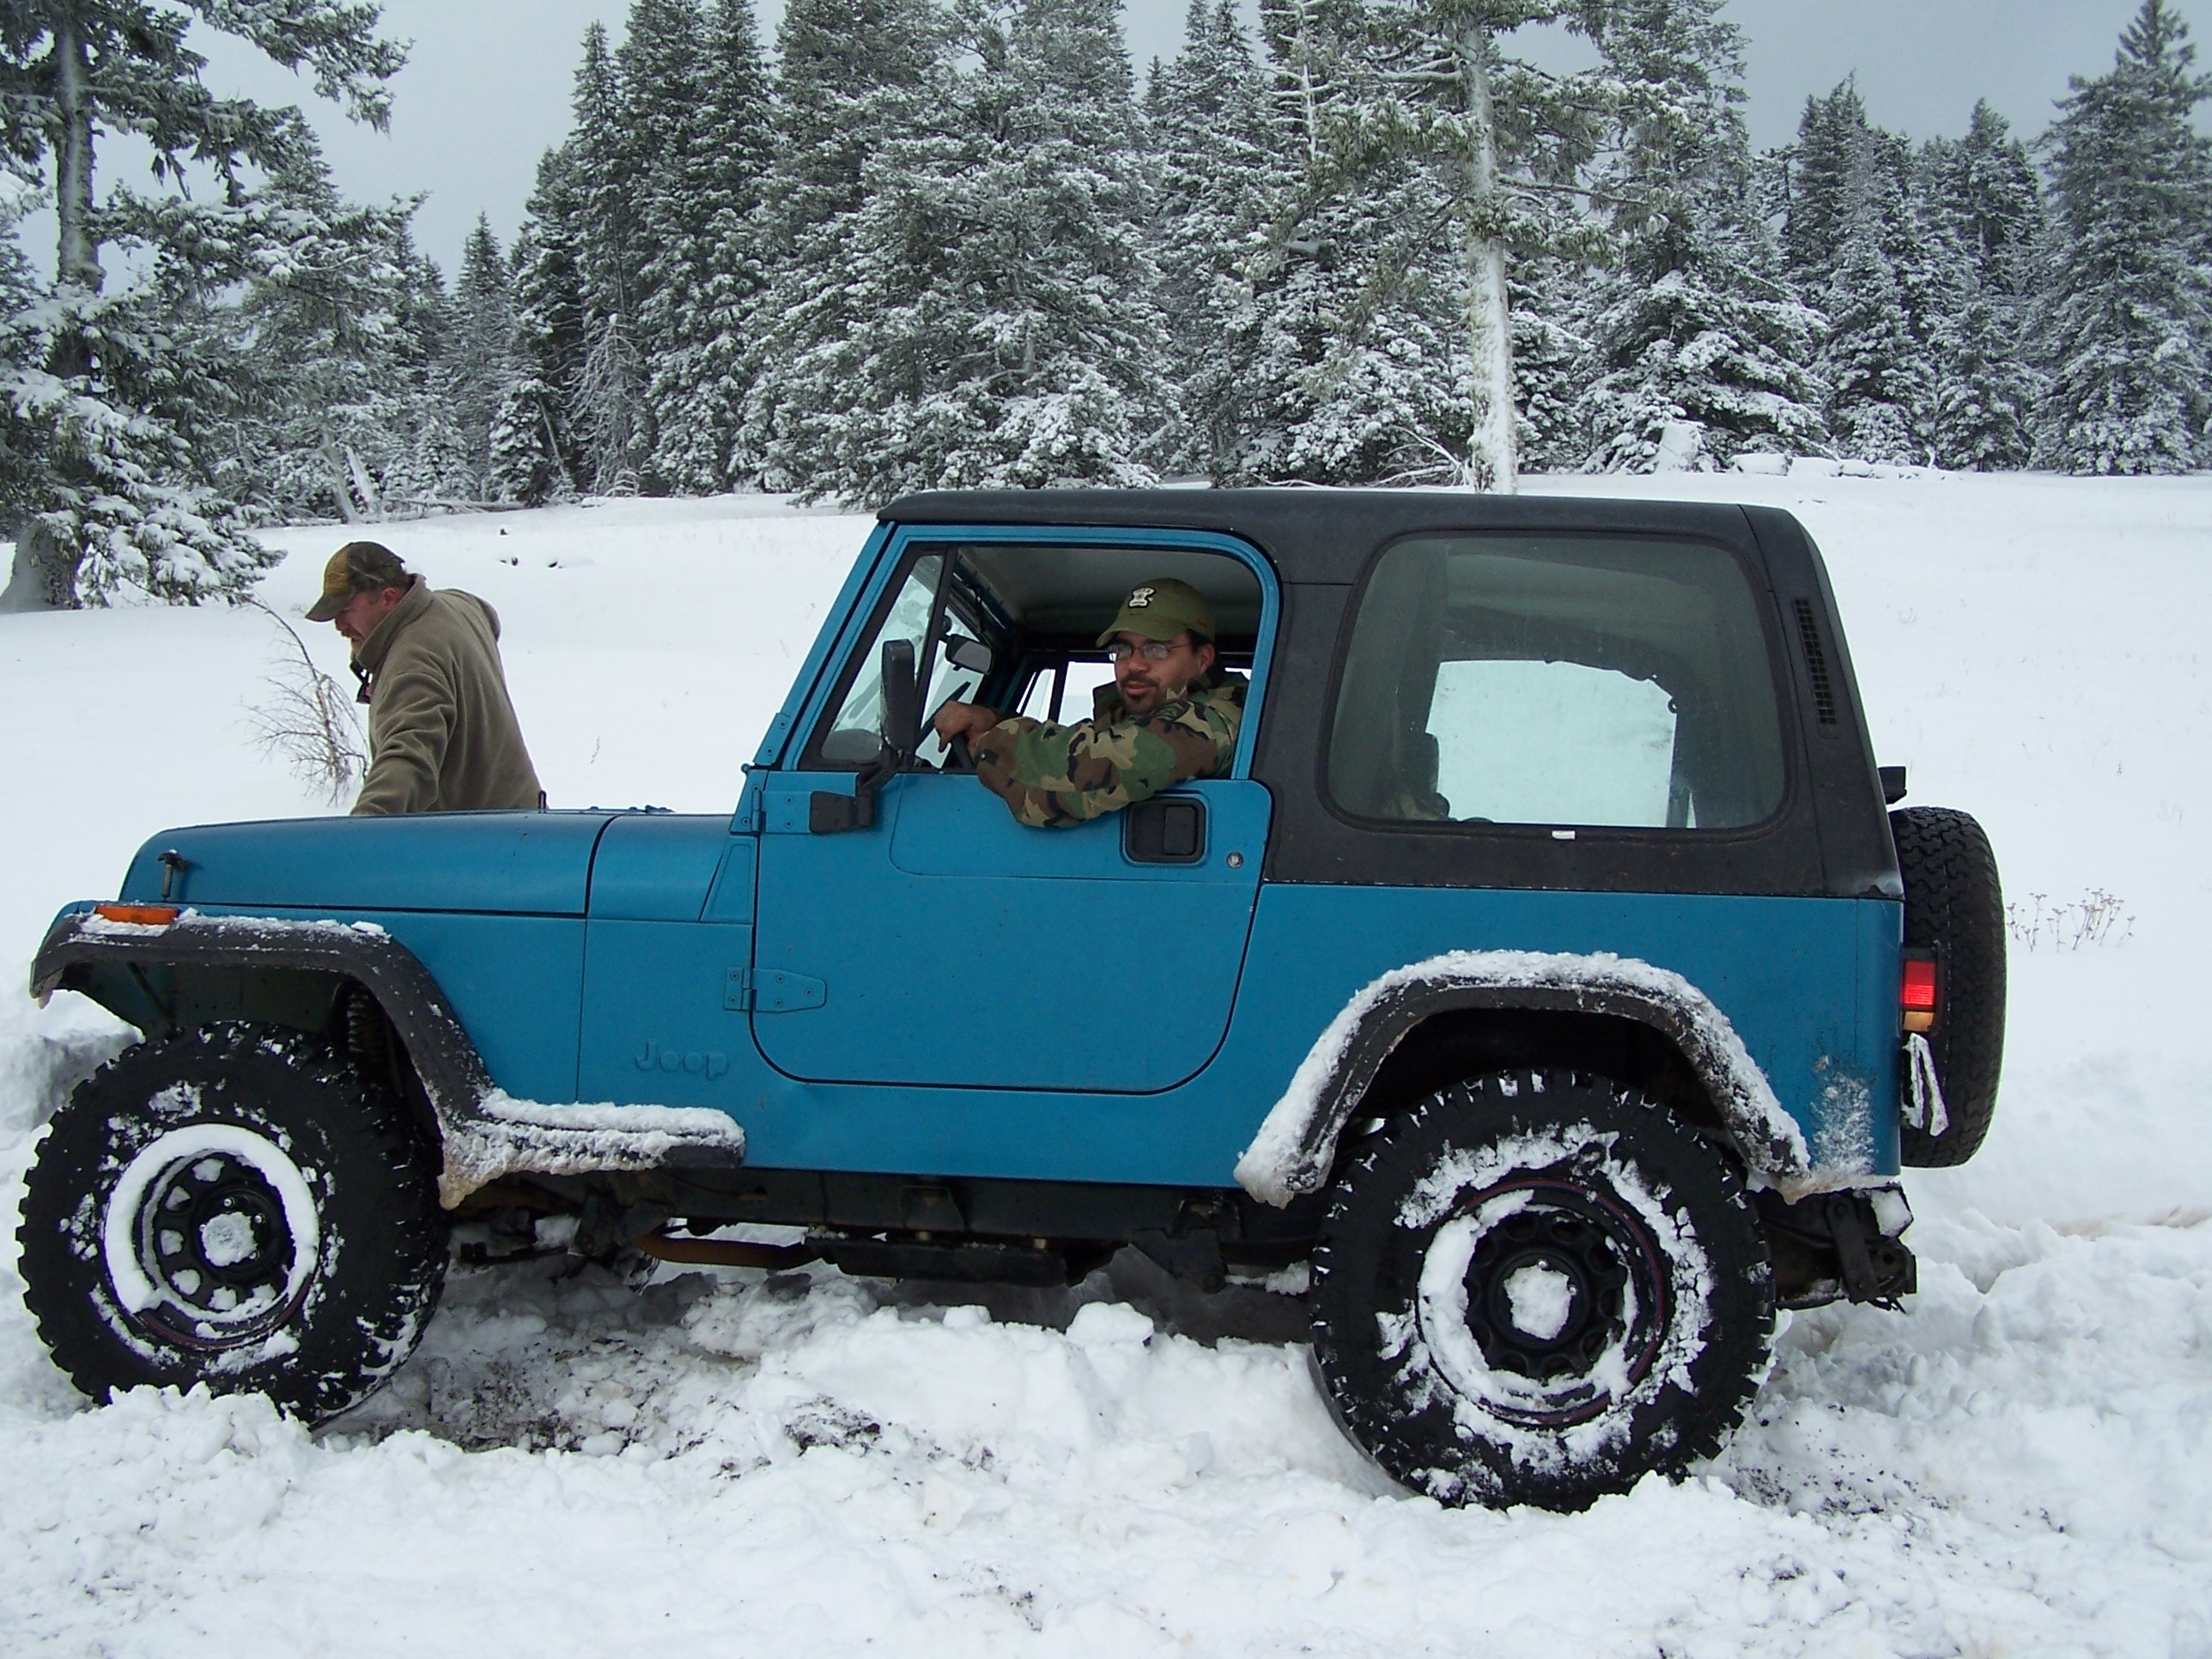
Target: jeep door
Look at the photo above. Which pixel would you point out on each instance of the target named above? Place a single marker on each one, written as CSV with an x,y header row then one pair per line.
x,y
946,944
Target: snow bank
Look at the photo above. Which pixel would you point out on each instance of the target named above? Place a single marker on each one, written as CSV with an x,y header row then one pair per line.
x,y
2018,1467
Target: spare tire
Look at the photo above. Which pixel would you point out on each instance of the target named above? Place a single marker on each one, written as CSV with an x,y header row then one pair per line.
x,y
1954,907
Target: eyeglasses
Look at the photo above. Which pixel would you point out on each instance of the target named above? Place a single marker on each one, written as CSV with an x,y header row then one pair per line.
x,y
1151,650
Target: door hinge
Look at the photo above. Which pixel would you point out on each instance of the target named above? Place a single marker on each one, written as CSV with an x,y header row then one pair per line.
x,y
771,991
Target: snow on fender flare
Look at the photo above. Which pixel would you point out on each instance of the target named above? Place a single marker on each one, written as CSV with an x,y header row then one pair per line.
x,y
484,1133
1296,1146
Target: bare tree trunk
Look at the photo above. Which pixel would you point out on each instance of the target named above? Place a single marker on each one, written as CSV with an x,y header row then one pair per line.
x,y
1492,461
364,485
77,262
340,486
27,582
44,576
52,561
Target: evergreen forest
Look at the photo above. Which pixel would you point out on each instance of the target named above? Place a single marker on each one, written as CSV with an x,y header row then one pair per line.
x,y
929,244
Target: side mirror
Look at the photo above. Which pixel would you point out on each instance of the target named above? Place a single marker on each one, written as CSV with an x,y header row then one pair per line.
x,y
848,745
877,757
902,698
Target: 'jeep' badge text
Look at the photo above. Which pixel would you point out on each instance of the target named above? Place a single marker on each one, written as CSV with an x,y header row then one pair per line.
x,y
711,1064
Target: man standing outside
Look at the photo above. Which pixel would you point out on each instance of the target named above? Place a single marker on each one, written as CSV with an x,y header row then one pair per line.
x,y
442,734
1169,717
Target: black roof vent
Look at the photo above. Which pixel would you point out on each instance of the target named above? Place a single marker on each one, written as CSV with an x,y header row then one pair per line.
x,y
1816,664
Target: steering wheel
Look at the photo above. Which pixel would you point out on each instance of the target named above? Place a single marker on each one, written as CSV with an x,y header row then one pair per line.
x,y
958,758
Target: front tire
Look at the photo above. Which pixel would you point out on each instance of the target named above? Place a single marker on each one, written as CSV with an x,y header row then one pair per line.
x,y
1536,1286
233,1205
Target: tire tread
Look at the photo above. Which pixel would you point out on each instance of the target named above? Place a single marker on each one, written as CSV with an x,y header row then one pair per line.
x,y
1954,903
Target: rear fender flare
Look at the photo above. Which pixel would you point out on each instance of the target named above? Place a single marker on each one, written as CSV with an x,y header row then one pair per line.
x,y
1295,1149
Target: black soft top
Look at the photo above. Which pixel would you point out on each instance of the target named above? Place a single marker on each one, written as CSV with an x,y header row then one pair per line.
x,y
1832,837
1316,536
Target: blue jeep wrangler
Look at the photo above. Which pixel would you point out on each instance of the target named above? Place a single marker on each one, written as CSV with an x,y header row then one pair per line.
x,y
1547,972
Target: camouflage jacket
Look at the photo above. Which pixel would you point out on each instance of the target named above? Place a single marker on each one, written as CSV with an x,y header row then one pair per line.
x,y
1051,775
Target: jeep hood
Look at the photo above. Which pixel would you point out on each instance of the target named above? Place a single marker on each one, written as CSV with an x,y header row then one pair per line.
x,y
506,863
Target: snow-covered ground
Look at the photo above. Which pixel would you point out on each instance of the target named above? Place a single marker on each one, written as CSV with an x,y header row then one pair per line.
x,y
2022,1463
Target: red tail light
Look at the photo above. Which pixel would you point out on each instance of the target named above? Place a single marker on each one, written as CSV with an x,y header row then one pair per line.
x,y
1921,994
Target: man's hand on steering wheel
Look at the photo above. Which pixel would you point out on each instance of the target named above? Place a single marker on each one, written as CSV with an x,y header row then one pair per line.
x,y
958,724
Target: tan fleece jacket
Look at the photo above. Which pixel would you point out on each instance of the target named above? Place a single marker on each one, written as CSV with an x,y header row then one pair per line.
x,y
442,734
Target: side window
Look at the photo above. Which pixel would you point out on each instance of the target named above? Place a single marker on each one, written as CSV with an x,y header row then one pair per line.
x,y
957,655
955,671
1016,624
1064,692
1566,681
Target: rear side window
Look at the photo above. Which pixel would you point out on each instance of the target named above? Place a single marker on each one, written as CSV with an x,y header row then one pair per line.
x,y
1566,680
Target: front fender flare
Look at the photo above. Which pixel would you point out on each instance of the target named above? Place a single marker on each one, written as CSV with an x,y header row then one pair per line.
x,y
483,1132
1295,1149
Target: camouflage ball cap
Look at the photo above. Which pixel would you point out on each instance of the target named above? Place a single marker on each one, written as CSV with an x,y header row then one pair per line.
x,y
356,567
1160,610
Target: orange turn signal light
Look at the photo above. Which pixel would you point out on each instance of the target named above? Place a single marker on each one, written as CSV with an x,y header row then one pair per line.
x,y
139,915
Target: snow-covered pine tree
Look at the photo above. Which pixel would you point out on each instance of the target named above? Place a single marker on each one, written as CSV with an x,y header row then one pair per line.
x,y
1986,183
1359,343
1833,137
704,268
19,288
1362,371
1552,362
1982,217
479,367
1986,390
1074,320
1386,89
611,415
1003,326
1881,382
347,335
325,346
431,470
1211,133
138,454
121,491
855,76
2124,328
534,456
429,467
1703,352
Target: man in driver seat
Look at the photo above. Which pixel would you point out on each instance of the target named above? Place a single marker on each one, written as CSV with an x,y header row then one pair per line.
x,y
1169,716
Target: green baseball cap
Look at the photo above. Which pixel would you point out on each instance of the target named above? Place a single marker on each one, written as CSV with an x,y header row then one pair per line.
x,y
1160,610
356,567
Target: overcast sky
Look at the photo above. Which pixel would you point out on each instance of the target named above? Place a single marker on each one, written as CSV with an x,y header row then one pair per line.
x,y
486,88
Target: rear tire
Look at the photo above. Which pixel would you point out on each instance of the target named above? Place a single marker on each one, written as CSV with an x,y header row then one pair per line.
x,y
233,1206
1954,906
1536,1287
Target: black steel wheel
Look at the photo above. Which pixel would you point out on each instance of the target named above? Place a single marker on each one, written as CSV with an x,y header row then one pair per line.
x,y
1534,1288
233,1205
1954,906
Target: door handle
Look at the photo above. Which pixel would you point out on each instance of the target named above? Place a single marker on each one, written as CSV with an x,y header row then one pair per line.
x,y
1165,830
